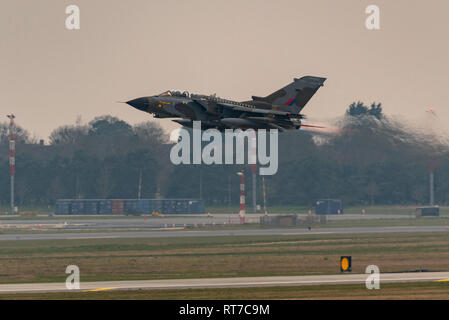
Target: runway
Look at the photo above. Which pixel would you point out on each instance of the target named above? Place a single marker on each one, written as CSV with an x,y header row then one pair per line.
x,y
216,233
226,282
147,223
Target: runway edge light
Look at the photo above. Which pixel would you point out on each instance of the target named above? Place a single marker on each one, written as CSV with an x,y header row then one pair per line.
x,y
345,263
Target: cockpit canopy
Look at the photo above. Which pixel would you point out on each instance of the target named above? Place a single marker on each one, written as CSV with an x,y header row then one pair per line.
x,y
174,93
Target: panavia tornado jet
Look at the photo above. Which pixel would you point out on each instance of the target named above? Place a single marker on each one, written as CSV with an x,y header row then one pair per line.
x,y
280,110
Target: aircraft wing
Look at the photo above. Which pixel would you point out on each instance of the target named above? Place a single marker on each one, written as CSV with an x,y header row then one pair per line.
x,y
285,122
202,102
207,105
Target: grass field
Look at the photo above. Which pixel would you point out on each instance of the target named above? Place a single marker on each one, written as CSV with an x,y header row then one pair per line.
x,y
229,256
419,290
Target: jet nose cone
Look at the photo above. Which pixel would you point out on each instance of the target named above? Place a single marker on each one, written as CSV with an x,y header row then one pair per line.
x,y
139,103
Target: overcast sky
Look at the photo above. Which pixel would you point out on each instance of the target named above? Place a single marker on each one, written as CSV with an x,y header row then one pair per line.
x,y
127,49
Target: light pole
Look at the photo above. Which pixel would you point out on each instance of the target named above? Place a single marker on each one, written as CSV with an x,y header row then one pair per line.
x,y
12,157
242,196
264,197
431,183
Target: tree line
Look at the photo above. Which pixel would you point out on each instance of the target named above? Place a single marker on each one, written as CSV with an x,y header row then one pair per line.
x,y
370,160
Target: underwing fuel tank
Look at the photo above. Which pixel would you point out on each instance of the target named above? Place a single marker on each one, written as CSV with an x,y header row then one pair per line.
x,y
239,122
189,124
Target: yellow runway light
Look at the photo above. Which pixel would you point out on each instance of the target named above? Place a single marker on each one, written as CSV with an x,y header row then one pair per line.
x,y
345,263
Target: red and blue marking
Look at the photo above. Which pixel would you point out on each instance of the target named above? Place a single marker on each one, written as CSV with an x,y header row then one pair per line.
x,y
290,102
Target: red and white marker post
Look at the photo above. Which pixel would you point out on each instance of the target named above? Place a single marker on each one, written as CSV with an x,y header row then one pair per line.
x,y
12,157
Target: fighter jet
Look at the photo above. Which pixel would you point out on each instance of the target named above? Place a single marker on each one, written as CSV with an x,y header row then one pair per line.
x,y
280,110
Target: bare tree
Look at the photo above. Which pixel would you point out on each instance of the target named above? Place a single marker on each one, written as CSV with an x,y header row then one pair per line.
x,y
21,135
150,133
68,134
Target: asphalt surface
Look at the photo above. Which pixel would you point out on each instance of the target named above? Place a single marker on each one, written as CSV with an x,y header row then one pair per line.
x,y
121,220
214,233
101,223
227,282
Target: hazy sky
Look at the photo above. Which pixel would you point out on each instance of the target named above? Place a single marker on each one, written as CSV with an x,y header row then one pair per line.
x,y
127,49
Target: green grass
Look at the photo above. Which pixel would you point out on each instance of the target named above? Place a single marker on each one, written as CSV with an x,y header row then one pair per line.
x,y
44,210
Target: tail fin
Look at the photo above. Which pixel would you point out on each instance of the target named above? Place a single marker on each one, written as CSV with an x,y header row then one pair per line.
x,y
296,94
